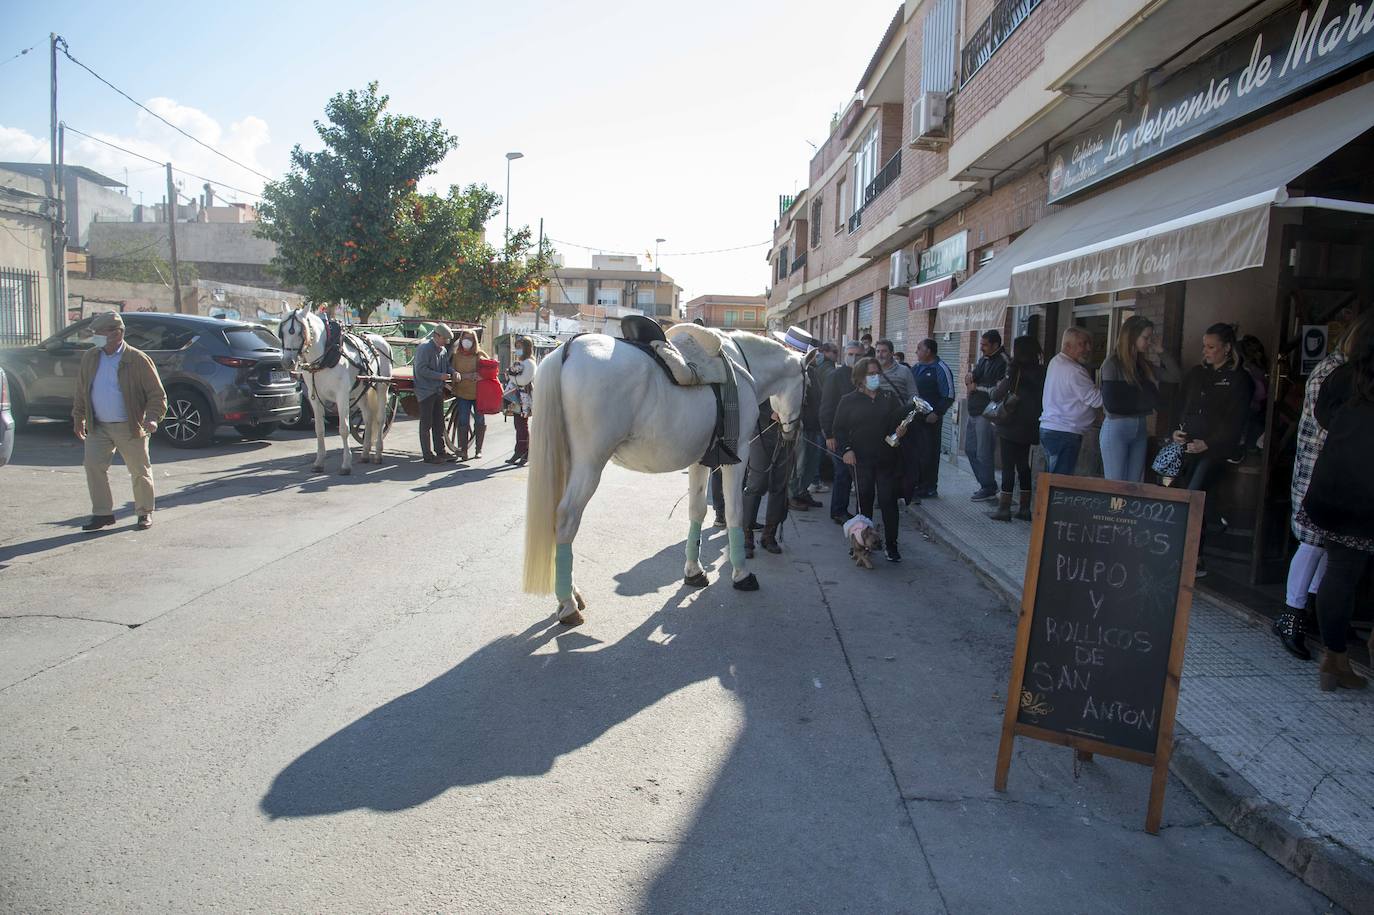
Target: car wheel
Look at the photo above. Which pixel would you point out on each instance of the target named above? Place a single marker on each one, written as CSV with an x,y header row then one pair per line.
x,y
261,430
302,420
18,411
188,423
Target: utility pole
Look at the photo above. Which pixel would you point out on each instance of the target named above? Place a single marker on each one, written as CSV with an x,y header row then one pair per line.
x,y
57,306
172,239
539,252
60,275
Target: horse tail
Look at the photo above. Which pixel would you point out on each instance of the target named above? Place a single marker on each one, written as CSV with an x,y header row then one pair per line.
x,y
548,474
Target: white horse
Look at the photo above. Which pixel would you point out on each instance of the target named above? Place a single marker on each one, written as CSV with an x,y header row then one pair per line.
x,y
304,347
623,408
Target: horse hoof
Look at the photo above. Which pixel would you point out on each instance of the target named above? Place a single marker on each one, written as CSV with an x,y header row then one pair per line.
x,y
581,604
345,471
317,469
572,619
698,580
747,583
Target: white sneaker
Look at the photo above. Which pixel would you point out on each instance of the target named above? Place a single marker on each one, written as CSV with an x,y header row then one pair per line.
x,y
818,488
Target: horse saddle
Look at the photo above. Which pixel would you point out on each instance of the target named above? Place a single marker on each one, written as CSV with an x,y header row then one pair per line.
x,y
687,353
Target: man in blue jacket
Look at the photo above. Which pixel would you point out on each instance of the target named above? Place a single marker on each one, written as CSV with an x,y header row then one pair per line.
x,y
934,384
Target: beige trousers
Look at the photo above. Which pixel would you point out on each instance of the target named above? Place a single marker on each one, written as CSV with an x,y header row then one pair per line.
x,y
102,441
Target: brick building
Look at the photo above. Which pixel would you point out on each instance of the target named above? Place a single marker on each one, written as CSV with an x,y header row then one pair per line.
x,y
729,312
1028,165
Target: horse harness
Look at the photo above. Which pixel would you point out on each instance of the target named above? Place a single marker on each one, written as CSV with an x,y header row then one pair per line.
x,y
338,344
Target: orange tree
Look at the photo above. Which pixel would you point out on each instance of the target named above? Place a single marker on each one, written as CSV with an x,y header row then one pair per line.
x,y
349,223
478,279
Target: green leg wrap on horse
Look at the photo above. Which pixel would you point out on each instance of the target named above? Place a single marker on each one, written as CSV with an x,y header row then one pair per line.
x,y
694,541
736,547
562,571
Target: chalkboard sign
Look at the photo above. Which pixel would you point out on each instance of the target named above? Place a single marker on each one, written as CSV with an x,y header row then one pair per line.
x,y
1104,618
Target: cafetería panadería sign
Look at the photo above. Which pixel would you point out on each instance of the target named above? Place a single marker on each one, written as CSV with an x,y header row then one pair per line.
x,y
1266,64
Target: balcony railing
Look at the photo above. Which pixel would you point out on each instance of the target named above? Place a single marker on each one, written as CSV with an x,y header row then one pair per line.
x,y
1004,19
880,183
799,262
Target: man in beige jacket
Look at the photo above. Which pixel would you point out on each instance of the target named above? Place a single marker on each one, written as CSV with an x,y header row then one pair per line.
x,y
119,402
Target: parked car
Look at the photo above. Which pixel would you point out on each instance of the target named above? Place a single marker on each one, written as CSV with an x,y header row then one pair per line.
x,y
6,422
216,373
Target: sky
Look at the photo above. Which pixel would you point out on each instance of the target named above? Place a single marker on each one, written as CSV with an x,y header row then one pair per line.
x,y
637,121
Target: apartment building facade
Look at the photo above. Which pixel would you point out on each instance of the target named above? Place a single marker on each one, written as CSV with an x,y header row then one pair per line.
x,y
729,312
613,282
1028,165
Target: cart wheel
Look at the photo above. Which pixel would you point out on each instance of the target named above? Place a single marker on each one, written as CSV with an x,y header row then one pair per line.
x,y
451,424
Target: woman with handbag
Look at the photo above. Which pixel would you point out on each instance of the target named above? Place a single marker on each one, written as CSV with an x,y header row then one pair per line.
x,y
1216,404
1018,400
1131,377
1340,500
466,355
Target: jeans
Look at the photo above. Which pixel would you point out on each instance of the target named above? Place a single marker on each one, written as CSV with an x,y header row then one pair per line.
x,y
1201,474
432,425
840,487
1305,574
928,437
808,462
1061,450
466,409
1124,440
1336,601
881,481
980,448
1015,461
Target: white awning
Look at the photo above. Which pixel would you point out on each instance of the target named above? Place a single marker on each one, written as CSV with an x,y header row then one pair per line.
x,y
1201,216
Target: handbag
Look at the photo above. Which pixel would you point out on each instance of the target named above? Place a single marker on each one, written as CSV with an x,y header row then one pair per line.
x,y
1001,412
1169,461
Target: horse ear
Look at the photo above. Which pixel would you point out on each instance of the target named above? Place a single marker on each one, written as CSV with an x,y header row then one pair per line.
x,y
811,357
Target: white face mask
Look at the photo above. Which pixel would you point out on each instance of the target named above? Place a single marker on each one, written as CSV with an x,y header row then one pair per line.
x,y
520,354
872,381
850,359
466,344
98,339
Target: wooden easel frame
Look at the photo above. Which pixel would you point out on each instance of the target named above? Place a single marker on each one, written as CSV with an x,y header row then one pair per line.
x,y
1085,747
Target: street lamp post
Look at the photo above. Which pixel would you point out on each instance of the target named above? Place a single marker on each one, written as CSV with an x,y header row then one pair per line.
x,y
659,270
510,157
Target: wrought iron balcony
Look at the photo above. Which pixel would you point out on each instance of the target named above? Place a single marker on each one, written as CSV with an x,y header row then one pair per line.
x,y
880,183
799,262
1004,19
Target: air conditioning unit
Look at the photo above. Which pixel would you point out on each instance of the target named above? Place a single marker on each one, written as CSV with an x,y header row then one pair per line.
x,y
901,271
928,128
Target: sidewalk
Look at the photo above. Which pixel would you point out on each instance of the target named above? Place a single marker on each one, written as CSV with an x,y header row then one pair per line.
x,y
1287,767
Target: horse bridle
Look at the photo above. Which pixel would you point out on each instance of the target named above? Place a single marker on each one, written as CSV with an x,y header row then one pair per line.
x,y
787,426
292,322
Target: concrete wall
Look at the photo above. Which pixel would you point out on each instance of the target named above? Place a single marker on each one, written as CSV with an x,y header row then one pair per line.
x,y
87,202
198,242
26,244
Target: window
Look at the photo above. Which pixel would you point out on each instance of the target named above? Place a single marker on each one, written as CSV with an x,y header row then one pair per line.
x,y
841,205
865,165
644,295
574,293
608,297
817,206
240,338
938,46
730,319
783,263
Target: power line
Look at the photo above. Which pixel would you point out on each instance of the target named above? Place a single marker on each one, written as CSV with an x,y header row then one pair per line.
x,y
21,53
130,152
571,244
62,42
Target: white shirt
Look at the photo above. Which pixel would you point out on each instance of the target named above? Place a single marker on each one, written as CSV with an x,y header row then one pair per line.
x,y
1071,399
107,400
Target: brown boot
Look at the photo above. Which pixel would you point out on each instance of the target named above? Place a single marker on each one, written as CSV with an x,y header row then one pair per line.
x,y
770,539
1003,512
748,541
1024,512
481,435
1335,672
462,444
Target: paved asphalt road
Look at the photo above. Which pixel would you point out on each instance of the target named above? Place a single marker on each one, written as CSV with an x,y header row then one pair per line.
x,y
304,693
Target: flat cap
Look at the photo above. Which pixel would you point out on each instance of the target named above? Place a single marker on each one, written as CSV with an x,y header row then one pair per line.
x,y
106,321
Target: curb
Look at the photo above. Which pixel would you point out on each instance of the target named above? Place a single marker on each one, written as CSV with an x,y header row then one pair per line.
x,y
1330,868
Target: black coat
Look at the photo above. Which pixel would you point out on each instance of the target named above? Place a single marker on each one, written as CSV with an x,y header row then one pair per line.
x,y
1028,382
862,422
1216,407
1340,498
837,383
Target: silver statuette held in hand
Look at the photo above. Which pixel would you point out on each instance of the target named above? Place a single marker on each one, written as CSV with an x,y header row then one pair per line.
x,y
919,407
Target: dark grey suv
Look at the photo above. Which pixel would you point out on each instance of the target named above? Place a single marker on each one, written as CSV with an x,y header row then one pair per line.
x,y
216,373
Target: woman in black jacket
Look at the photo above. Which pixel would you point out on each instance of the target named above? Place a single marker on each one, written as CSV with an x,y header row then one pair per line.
x,y
1216,405
1019,430
863,419
1340,500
